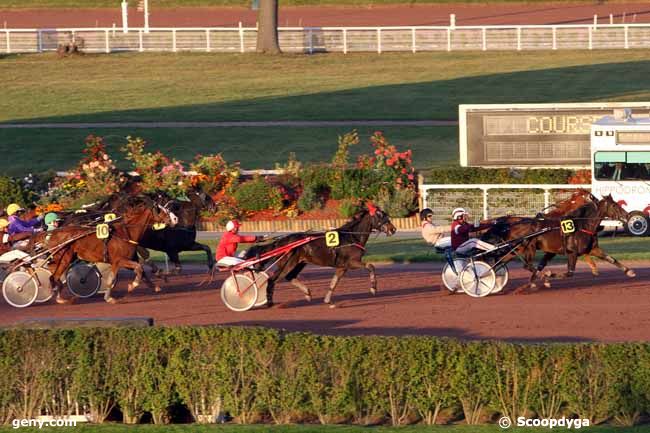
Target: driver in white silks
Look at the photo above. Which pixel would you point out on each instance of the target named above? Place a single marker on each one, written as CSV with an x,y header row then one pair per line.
x,y
460,230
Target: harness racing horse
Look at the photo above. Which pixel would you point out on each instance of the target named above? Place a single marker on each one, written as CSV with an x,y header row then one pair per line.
x,y
81,241
583,240
182,237
348,254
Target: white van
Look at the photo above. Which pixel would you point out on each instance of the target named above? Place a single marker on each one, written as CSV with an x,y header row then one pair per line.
x,y
620,166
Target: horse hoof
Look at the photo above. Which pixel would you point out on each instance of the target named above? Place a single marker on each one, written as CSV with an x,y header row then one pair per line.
x,y
548,274
332,305
157,289
111,300
547,284
595,273
131,287
308,298
63,301
373,291
630,273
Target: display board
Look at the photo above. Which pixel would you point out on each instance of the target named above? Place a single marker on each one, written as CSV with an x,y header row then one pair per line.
x,y
532,135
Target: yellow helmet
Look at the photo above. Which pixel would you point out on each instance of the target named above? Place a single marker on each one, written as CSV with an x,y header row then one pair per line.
x,y
3,223
13,208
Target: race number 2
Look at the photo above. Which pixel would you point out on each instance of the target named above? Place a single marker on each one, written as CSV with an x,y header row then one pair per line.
x,y
102,231
332,239
567,226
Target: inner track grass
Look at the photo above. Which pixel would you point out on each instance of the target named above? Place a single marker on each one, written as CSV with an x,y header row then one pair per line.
x,y
158,87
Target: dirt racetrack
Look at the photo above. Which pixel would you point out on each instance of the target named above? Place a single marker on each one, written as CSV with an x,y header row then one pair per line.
x,y
611,307
394,15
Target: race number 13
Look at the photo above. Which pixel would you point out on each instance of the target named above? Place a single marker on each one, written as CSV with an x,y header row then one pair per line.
x,y
332,239
567,226
102,231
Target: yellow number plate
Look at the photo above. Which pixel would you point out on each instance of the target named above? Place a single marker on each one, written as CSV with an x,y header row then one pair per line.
x,y
109,217
159,226
567,226
102,231
332,239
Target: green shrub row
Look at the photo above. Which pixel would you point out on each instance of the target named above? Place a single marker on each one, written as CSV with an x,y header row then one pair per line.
x,y
476,175
262,375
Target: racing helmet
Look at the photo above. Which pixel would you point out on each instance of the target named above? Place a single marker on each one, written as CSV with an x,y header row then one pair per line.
x,y
13,208
232,225
425,213
3,223
50,218
457,213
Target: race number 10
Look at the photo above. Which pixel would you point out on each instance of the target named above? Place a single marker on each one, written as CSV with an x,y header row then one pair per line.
x,y
102,231
332,239
567,226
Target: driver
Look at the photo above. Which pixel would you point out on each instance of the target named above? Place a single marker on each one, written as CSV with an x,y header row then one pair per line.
x,y
16,222
460,230
7,240
429,231
227,247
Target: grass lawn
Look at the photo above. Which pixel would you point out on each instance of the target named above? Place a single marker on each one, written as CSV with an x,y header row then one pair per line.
x,y
409,250
430,145
195,428
232,87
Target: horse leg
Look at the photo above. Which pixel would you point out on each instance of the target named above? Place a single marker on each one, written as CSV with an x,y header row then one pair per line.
x,y
143,257
292,277
335,281
136,267
208,252
592,265
572,260
175,259
55,278
599,253
107,295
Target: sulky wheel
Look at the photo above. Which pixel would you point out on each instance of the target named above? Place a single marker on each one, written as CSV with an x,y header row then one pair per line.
x,y
106,271
262,281
239,293
450,278
83,280
478,279
501,274
45,292
19,289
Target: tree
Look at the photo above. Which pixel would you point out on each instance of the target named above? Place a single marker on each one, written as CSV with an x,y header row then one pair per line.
x,y
267,32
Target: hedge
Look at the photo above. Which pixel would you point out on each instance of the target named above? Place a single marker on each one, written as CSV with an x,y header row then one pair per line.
x,y
261,375
476,175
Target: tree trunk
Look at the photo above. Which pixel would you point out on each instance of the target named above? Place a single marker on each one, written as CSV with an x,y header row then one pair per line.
x,y
267,32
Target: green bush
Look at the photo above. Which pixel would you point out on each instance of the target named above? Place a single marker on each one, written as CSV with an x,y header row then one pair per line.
x,y
309,199
476,175
13,191
349,207
257,194
258,374
399,203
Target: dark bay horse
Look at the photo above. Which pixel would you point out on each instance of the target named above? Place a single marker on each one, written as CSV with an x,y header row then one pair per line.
x,y
352,237
81,241
581,241
182,237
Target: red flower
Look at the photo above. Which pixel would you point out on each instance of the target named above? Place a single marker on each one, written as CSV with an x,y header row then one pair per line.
x,y
404,171
410,176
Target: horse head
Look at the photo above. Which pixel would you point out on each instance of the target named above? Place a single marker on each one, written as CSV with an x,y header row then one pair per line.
x,y
578,199
608,208
379,220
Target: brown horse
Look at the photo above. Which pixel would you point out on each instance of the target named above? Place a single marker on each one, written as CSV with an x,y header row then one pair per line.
x,y
348,254
582,240
118,250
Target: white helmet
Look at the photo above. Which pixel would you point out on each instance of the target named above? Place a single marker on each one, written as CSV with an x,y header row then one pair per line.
x,y
458,212
232,224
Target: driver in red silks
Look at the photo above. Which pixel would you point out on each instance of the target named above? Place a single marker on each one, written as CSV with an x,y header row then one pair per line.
x,y
227,247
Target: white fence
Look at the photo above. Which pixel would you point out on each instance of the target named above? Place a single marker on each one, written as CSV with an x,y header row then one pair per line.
x,y
335,39
489,201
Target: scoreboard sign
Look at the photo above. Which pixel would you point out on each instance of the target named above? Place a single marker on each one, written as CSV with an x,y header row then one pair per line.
x,y
532,135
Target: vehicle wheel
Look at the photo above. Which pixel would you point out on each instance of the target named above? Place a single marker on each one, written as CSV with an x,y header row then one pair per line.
x,y
637,224
83,280
477,279
239,293
45,291
262,280
19,289
501,273
450,278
